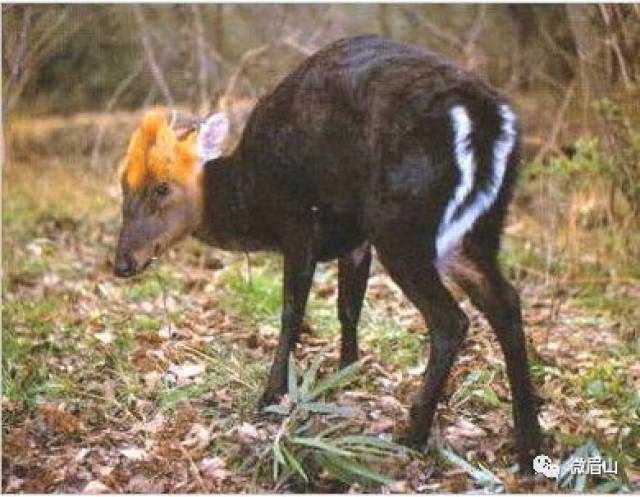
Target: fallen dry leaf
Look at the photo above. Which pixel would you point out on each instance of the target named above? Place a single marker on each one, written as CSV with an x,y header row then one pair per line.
x,y
186,371
248,433
197,438
214,468
140,484
134,453
399,487
96,487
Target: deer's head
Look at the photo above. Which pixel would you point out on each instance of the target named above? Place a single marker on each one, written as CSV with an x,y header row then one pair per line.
x,y
161,177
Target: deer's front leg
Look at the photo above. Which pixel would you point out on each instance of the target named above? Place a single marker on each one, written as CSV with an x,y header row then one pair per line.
x,y
299,266
353,274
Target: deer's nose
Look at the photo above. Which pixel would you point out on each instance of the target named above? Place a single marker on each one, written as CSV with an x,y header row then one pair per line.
x,y
124,267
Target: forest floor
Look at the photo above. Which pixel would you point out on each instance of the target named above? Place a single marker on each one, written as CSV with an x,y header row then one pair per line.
x,y
150,384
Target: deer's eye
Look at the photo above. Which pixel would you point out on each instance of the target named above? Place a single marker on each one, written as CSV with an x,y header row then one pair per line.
x,y
161,189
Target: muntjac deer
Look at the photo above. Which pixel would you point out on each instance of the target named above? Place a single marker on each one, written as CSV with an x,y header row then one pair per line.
x,y
367,143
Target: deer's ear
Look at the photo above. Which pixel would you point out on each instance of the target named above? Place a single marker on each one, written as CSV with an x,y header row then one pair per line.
x,y
212,133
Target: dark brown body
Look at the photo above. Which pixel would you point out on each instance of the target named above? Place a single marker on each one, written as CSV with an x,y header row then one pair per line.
x,y
356,148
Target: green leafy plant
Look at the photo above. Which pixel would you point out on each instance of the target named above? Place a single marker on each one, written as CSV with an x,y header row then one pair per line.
x,y
477,386
624,135
588,158
580,481
480,475
316,434
615,156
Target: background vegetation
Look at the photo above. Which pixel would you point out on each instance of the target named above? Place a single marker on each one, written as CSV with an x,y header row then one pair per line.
x,y
151,385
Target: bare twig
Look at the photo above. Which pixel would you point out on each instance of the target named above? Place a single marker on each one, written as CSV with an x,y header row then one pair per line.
x,y
292,42
22,44
18,59
436,31
558,121
195,472
315,38
117,93
247,57
621,63
539,73
201,52
36,52
154,67
476,28
569,58
8,8
469,52
149,97
612,41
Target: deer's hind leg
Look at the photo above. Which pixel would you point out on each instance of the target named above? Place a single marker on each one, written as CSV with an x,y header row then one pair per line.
x,y
409,265
477,272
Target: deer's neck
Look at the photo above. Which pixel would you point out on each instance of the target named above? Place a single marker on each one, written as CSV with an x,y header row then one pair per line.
x,y
228,210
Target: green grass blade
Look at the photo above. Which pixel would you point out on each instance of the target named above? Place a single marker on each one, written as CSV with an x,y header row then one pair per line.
x,y
363,472
348,469
581,483
372,445
276,409
609,487
294,463
336,380
318,444
488,396
304,427
292,380
332,466
309,377
278,458
330,408
482,476
334,428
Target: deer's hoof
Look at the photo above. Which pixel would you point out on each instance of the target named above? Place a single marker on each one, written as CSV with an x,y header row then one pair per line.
x,y
525,461
269,397
411,440
348,361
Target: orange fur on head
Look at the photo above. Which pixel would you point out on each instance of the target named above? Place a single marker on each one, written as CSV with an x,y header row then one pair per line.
x,y
156,154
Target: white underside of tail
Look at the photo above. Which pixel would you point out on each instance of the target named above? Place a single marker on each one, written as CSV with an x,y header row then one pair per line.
x,y
451,231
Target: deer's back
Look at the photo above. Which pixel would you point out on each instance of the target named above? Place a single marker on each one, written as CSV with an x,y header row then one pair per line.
x,y
324,135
